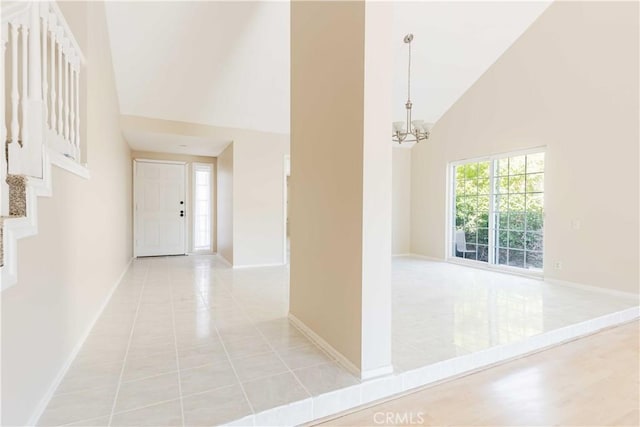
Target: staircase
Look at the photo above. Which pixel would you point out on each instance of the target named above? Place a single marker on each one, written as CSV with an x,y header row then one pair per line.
x,y
41,93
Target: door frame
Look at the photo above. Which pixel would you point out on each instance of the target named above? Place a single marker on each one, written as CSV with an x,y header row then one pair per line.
x,y
135,201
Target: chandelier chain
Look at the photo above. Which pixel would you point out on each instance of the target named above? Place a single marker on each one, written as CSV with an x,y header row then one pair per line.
x,y
409,75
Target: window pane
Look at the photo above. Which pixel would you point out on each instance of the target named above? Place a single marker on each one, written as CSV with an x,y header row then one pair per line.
x,y
483,253
516,221
503,184
534,260
483,236
503,239
516,184
535,163
503,256
534,221
503,167
516,258
516,203
517,165
483,219
535,183
483,186
470,187
516,239
202,207
534,241
534,203
503,221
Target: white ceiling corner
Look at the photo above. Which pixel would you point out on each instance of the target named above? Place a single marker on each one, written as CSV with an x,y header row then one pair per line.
x,y
226,64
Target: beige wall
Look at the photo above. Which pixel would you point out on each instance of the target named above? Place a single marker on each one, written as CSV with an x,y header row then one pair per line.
x,y
401,202
570,83
225,204
83,243
258,200
340,184
189,160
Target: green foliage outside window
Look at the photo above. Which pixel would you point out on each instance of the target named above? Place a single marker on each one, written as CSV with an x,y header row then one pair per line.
x,y
518,208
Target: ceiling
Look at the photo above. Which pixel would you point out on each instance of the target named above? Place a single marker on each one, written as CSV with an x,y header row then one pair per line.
x,y
173,143
227,63
454,44
208,62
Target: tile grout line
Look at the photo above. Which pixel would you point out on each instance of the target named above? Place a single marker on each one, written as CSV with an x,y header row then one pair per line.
x,y
124,362
175,344
233,368
274,351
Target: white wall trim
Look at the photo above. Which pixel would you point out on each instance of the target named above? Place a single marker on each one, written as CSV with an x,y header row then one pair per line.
x,y
44,401
320,342
408,254
68,164
425,257
275,264
591,288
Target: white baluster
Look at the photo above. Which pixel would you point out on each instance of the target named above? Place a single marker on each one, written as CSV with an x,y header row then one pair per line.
x,y
67,67
15,95
52,94
45,86
35,75
77,101
60,111
3,129
72,127
24,130
4,200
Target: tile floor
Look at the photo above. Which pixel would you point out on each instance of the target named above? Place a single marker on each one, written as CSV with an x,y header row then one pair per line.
x,y
189,341
443,310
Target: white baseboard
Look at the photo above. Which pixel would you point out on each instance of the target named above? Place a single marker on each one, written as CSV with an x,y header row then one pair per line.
x,y
400,255
44,402
612,292
320,342
276,264
425,257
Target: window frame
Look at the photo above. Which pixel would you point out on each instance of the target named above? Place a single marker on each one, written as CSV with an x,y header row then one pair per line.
x,y
449,240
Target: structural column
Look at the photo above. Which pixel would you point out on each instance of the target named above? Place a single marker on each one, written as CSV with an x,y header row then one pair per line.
x,y
340,222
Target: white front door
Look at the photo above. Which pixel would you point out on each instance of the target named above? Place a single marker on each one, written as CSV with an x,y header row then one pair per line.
x,y
160,208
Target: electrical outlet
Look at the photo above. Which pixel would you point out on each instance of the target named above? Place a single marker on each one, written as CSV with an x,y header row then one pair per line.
x,y
557,265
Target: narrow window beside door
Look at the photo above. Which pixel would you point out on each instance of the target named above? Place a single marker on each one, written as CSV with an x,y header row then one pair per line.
x,y
498,212
202,176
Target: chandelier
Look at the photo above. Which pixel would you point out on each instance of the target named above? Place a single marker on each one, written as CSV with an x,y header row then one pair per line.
x,y
410,131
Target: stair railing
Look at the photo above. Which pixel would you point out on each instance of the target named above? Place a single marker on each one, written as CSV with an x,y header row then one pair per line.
x,y
40,86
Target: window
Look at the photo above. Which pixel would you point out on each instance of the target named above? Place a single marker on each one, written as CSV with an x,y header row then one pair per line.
x,y
202,186
498,212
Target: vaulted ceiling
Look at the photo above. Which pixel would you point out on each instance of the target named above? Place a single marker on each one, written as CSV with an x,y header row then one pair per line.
x,y
227,63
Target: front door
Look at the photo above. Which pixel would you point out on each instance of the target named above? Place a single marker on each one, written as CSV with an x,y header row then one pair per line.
x,y
160,208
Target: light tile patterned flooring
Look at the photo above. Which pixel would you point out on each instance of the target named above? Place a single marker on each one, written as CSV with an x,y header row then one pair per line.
x,y
189,341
